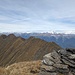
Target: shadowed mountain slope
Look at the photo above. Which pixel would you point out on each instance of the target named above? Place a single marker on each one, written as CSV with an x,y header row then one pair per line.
x,y
16,49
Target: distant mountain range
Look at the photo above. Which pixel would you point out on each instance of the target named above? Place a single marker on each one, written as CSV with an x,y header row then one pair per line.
x,y
65,40
17,49
62,39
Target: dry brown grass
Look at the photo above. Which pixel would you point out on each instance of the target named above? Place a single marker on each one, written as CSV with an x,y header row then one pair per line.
x,y
3,71
24,68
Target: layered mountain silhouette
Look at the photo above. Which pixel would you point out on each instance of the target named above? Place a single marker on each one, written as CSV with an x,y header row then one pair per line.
x,y
17,49
62,39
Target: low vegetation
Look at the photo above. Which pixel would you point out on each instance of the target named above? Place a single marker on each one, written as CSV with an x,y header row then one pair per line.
x,y
22,68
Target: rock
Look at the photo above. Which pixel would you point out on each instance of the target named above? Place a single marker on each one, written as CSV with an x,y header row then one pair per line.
x,y
48,60
48,68
70,73
51,58
72,56
55,55
61,66
63,52
64,58
53,73
68,63
60,62
72,51
72,69
47,73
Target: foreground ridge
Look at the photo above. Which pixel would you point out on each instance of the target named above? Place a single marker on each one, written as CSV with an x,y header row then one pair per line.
x,y
59,62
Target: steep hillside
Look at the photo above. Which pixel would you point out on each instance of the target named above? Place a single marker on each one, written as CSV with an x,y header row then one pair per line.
x,y
16,49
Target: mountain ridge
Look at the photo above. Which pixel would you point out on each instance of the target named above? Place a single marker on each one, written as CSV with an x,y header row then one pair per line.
x,y
63,40
17,49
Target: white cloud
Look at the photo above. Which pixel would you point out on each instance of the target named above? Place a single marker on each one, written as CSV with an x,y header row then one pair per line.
x,y
32,15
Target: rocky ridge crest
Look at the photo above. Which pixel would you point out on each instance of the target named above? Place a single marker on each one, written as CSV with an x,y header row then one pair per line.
x,y
61,62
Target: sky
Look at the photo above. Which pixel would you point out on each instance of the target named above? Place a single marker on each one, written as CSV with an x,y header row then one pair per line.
x,y
37,15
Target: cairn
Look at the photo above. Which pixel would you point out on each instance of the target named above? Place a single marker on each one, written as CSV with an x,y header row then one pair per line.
x,y
61,62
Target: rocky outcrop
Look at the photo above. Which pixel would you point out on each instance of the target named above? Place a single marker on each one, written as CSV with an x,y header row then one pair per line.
x,y
59,62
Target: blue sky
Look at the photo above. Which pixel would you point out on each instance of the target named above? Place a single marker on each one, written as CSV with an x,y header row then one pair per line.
x,y
37,15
